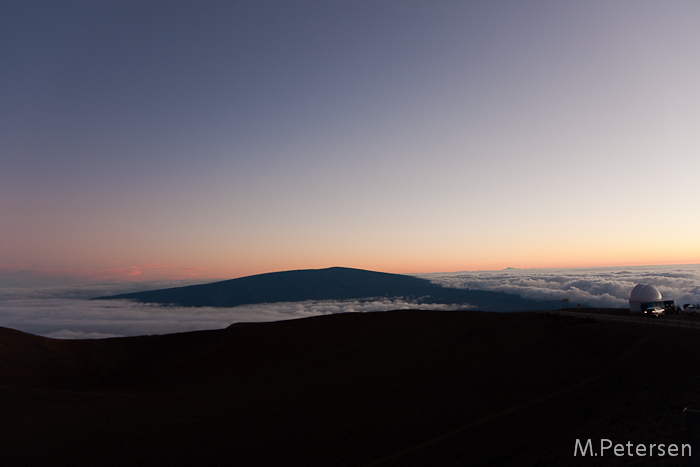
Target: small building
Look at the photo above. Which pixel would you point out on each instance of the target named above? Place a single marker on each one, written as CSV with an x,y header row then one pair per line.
x,y
645,297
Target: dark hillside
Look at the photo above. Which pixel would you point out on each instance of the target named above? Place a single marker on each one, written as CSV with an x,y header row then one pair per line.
x,y
397,388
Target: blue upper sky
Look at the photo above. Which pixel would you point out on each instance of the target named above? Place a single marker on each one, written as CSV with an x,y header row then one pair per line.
x,y
229,138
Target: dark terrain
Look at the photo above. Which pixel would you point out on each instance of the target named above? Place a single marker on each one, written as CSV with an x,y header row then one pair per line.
x,y
330,284
392,389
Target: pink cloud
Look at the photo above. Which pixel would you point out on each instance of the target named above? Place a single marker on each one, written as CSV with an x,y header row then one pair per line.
x,y
13,267
152,271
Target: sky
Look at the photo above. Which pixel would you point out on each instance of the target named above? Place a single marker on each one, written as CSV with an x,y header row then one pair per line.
x,y
176,140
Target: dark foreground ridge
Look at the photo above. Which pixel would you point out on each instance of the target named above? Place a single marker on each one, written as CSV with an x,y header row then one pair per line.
x,y
404,388
328,284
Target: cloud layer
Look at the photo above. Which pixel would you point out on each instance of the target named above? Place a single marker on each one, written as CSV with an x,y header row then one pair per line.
x,y
67,312
75,318
596,287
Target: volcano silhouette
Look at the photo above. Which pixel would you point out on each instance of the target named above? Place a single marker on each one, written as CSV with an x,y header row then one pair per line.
x,y
336,283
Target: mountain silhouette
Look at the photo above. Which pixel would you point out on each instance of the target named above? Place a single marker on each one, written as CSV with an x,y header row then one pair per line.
x,y
334,283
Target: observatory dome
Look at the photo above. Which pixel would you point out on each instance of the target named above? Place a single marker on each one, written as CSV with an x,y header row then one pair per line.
x,y
645,293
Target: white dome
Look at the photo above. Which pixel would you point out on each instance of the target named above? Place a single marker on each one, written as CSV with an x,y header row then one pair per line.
x,y
645,293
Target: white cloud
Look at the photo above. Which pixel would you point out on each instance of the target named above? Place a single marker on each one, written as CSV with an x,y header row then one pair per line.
x,y
76,318
598,287
68,334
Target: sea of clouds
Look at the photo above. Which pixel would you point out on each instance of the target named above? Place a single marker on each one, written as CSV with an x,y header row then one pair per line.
x,y
593,287
69,312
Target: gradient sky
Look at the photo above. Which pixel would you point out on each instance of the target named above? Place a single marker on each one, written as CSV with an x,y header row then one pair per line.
x,y
207,139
